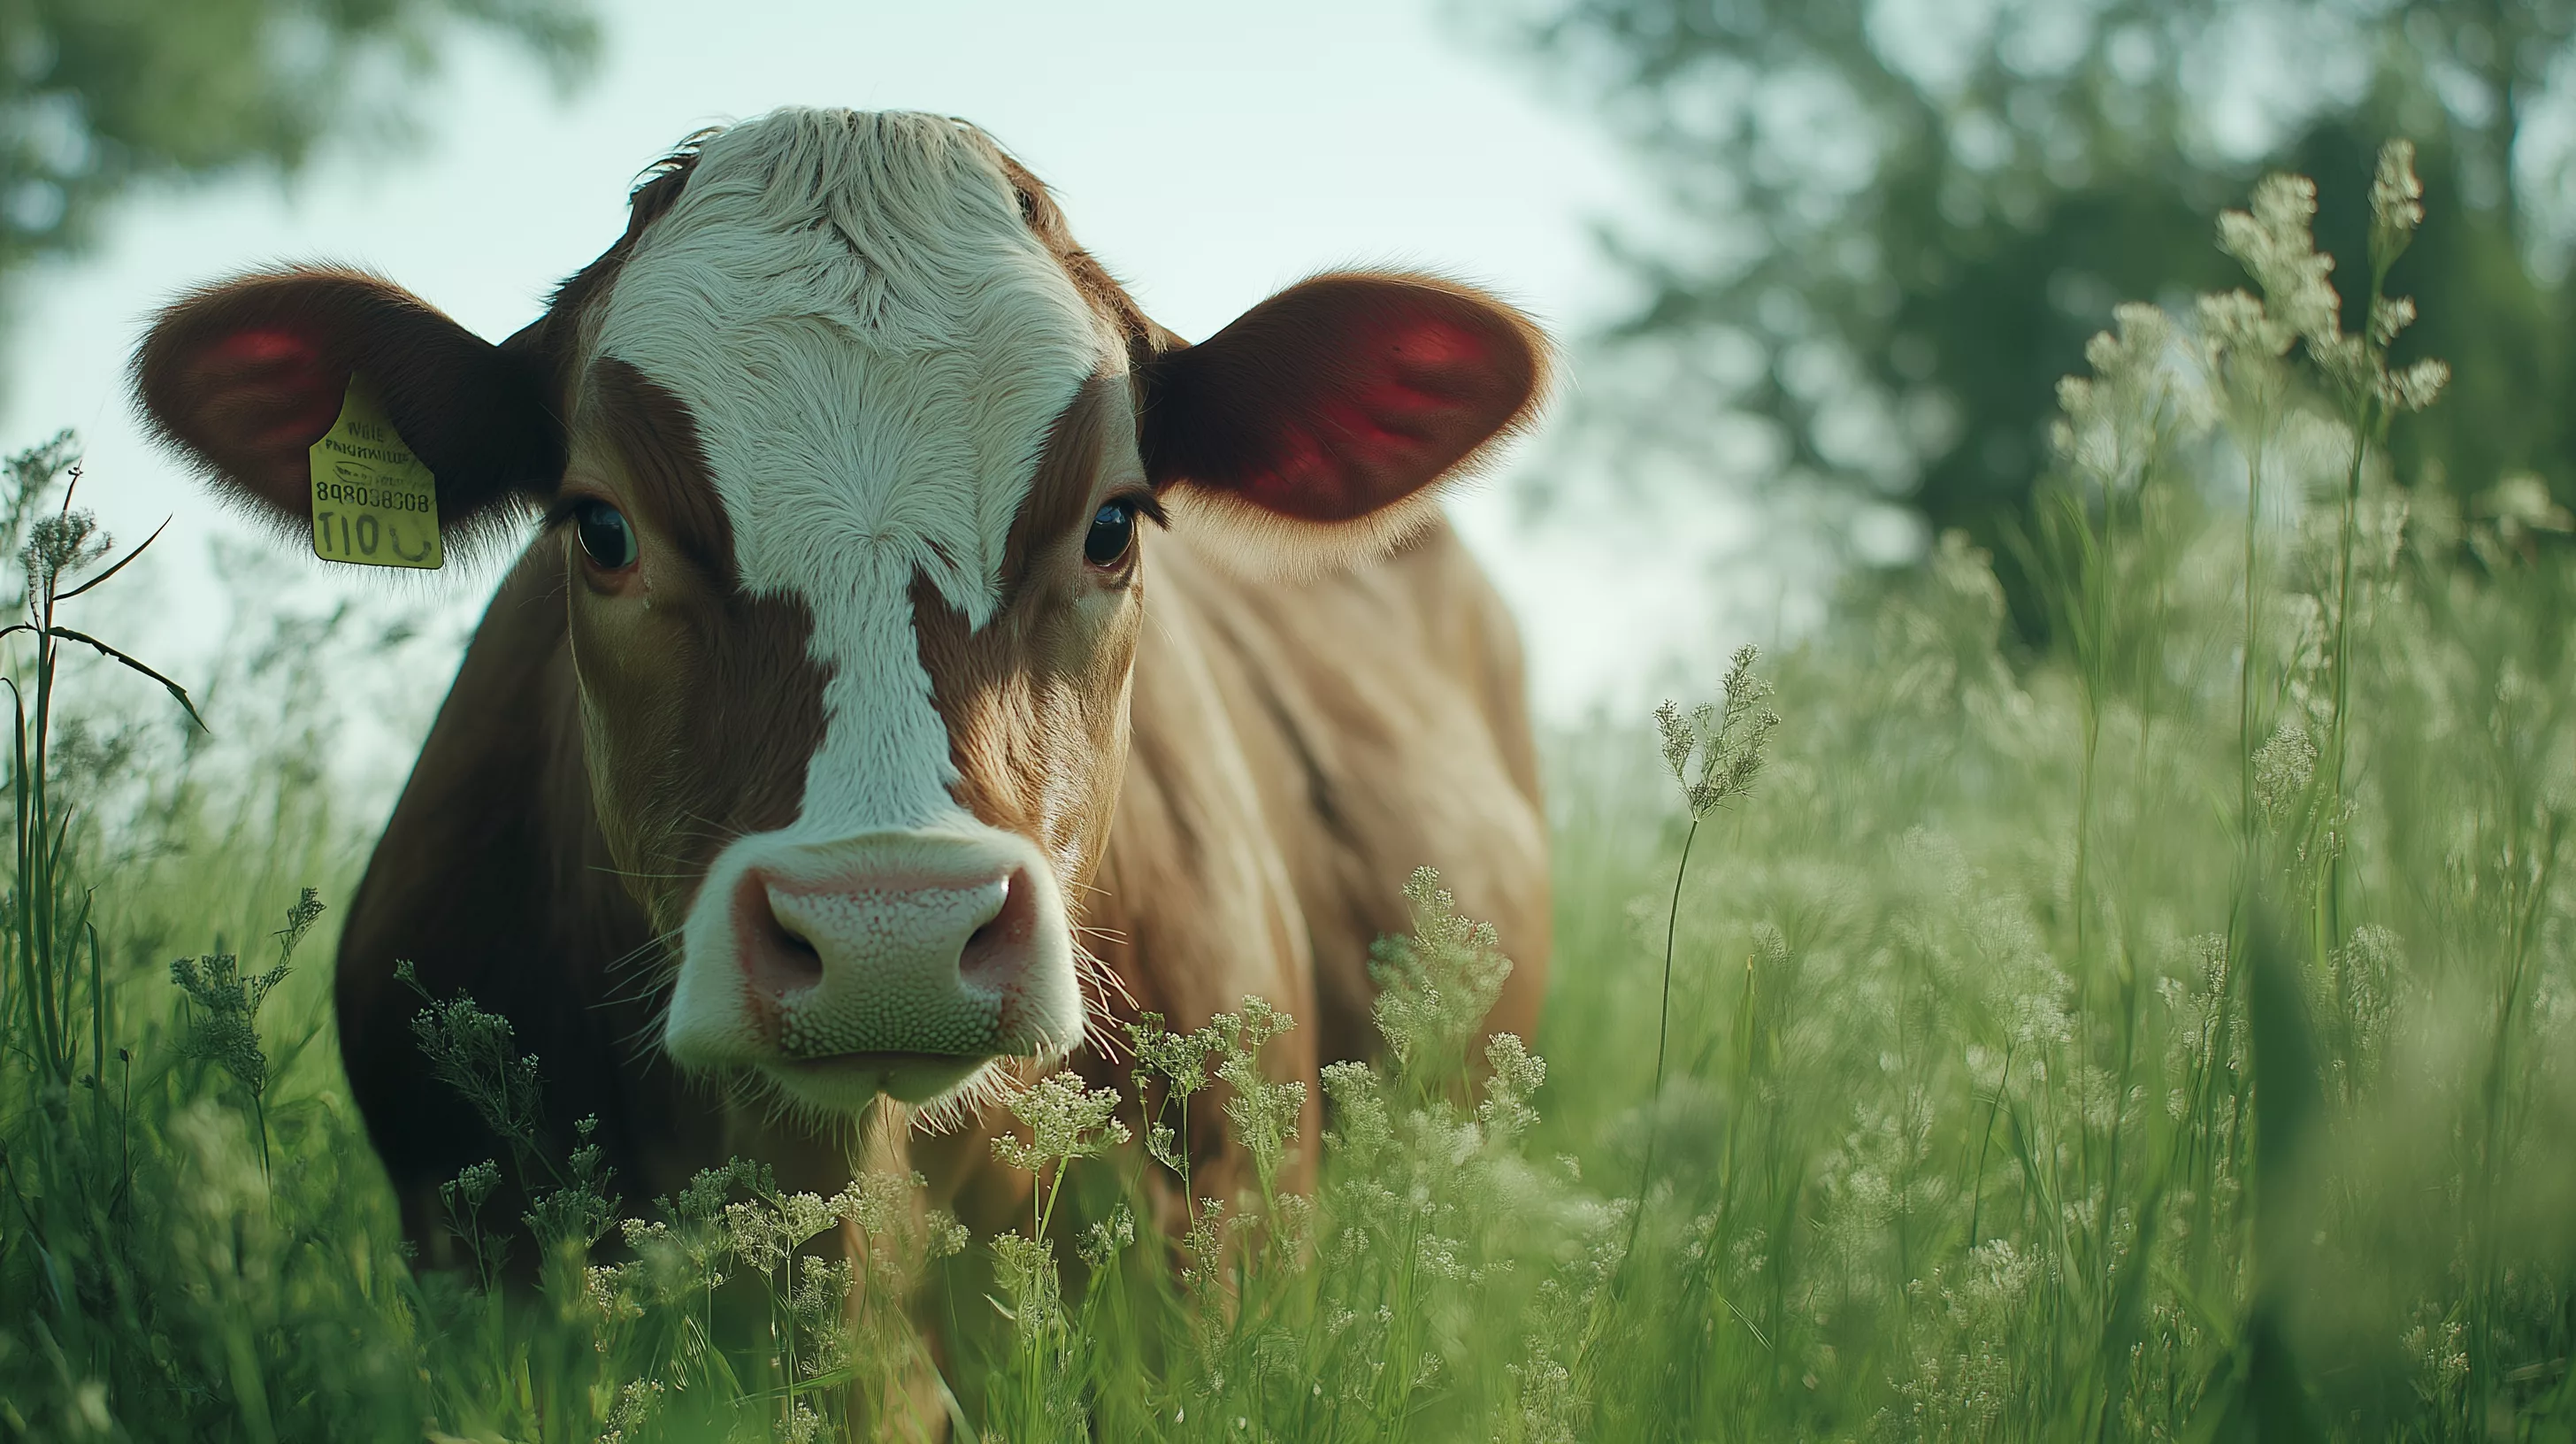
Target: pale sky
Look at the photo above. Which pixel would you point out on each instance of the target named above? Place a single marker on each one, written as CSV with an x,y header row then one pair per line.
x,y
1208,153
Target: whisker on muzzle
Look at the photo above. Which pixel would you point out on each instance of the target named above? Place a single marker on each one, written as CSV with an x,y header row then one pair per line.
x,y
1102,989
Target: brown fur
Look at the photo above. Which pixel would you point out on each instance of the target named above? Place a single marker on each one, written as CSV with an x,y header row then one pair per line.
x,y
656,439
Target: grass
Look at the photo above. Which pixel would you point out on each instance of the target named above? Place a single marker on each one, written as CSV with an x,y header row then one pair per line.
x,y
2168,1035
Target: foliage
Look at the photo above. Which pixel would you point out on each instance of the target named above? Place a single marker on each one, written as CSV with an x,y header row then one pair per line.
x,y
2169,1037
1892,226
98,97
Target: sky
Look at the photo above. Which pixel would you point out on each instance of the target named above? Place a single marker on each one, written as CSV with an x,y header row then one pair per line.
x,y
1210,154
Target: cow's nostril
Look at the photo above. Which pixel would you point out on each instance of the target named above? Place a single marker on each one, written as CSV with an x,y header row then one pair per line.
x,y
781,961
997,953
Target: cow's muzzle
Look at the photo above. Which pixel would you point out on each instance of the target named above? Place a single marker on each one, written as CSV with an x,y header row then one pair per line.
x,y
897,962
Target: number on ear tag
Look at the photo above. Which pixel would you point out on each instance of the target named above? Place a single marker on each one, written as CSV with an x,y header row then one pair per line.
x,y
374,503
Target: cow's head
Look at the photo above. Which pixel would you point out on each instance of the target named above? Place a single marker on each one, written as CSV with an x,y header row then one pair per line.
x,y
847,449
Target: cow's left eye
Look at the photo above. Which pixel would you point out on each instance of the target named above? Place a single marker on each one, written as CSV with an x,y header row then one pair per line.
x,y
604,535
1113,531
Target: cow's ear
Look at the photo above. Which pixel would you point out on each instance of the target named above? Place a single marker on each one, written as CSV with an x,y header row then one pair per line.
x,y
245,376
1316,427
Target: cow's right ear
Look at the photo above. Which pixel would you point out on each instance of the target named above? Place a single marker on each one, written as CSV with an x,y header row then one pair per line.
x,y
245,376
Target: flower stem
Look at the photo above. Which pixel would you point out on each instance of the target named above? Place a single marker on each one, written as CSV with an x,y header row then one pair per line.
x,y
1663,1036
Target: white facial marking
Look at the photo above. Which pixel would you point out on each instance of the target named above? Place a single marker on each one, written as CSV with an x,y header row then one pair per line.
x,y
874,345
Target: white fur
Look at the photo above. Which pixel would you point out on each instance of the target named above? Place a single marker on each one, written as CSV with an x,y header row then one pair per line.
x,y
874,346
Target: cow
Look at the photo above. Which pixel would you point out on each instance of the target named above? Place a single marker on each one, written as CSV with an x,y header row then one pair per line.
x,y
925,664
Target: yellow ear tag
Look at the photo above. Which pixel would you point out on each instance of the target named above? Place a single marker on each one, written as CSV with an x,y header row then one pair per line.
x,y
374,503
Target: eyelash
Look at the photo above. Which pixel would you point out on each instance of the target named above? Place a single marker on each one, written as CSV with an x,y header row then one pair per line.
x,y
1148,506
560,513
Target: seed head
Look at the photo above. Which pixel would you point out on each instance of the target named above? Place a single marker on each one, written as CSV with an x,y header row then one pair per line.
x,y
1065,1122
2235,322
64,542
1179,1060
2415,387
1728,738
224,1024
1025,1270
2396,203
2276,246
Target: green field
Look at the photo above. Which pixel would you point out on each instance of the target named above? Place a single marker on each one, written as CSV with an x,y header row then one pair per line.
x,y
2165,1030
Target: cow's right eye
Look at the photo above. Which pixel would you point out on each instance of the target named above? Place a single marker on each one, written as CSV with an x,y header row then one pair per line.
x,y
604,535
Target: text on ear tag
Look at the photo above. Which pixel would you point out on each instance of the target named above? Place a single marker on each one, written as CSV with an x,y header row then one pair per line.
x,y
374,503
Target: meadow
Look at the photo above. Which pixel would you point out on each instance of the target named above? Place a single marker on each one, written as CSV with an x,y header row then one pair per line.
x,y
2167,1031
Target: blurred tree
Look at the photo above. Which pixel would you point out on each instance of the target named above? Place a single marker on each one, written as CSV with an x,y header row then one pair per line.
x,y
97,95
1893,223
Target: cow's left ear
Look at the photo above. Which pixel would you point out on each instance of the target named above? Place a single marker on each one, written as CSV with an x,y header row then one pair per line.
x,y
245,376
1316,427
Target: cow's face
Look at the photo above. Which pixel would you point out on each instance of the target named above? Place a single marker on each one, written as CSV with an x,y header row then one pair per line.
x,y
850,457
851,506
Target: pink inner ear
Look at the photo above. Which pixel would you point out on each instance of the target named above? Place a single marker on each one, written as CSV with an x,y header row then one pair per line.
x,y
1347,394
263,348
259,399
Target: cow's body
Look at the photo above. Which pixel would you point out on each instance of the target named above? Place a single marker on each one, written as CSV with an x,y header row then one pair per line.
x,y
848,732
1298,749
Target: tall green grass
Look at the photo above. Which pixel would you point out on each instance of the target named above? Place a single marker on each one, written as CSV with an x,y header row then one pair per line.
x,y
2170,1035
